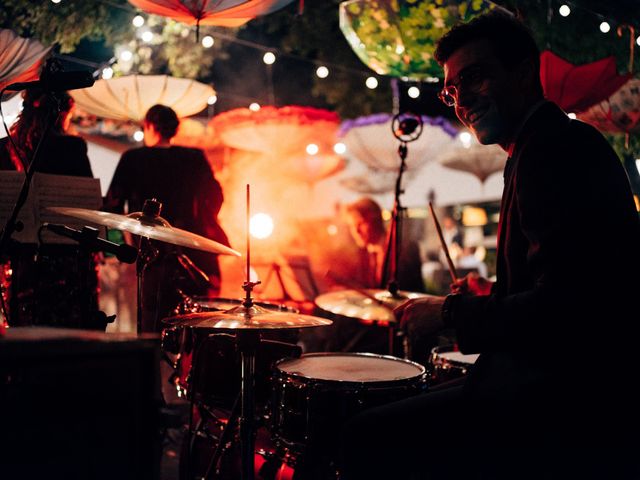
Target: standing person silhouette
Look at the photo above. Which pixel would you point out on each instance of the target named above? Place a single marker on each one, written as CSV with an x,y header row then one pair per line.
x,y
520,412
182,180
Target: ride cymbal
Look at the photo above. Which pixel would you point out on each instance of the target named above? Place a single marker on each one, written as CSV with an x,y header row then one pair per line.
x,y
155,229
371,304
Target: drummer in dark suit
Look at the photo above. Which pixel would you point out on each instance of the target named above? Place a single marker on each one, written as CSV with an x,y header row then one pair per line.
x,y
542,400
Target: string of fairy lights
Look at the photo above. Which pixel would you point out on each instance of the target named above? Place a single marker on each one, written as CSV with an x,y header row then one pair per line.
x,y
322,68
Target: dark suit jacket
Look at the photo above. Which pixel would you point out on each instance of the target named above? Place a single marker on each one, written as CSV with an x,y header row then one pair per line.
x,y
568,264
183,181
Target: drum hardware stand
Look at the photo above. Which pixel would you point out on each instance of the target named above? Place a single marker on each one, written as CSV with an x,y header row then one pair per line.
x,y
147,253
406,127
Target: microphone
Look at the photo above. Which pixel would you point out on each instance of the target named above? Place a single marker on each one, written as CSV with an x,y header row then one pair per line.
x,y
58,81
88,237
407,126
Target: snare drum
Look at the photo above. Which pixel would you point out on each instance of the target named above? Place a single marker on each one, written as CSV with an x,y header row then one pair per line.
x,y
448,363
315,394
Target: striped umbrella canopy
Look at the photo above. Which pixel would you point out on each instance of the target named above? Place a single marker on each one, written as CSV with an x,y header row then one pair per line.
x,y
370,140
20,58
224,13
472,157
129,97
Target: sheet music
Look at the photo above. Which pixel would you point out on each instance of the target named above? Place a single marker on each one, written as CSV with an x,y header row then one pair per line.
x,y
48,191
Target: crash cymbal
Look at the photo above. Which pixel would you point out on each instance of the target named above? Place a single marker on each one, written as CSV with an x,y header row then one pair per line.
x,y
135,223
242,318
370,304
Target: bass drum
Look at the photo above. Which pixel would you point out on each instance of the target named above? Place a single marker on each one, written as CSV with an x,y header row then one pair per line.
x,y
315,394
217,375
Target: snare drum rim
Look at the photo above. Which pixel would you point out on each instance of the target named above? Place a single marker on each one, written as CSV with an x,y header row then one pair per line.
x,y
436,358
378,383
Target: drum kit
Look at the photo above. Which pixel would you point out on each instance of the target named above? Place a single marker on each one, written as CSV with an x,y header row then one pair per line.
x,y
306,397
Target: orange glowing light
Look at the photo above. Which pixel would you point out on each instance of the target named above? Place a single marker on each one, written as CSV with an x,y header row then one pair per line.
x,y
261,225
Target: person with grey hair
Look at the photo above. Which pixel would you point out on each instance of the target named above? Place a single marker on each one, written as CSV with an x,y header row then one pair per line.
x,y
540,402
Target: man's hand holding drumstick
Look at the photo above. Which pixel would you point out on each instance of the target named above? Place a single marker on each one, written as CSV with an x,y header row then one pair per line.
x,y
423,316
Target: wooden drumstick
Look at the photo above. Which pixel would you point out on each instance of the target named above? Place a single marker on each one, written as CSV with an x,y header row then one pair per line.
x,y
452,269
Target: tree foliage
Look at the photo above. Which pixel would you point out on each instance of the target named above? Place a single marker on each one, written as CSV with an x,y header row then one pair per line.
x,y
67,23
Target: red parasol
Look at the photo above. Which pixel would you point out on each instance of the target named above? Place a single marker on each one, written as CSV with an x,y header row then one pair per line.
x,y
225,13
575,88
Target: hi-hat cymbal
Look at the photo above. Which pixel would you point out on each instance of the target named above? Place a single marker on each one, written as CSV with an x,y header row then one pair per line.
x,y
134,223
243,318
371,304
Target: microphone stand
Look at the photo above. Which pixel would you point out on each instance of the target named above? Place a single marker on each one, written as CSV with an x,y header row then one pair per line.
x,y
406,128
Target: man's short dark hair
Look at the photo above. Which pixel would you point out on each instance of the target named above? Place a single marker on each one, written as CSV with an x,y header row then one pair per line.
x,y
511,40
164,119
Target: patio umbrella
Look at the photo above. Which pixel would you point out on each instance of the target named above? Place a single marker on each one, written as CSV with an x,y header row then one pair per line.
x,y
129,97
620,113
225,13
369,139
20,58
575,88
276,131
398,38
474,158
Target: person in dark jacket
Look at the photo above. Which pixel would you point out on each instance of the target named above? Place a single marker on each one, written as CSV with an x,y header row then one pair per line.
x,y
182,180
541,400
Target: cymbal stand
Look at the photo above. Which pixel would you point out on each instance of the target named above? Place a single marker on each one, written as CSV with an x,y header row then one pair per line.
x,y
406,127
147,252
248,341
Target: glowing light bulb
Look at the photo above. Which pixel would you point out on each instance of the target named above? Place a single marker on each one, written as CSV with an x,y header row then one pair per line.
x,y
107,73
261,225
322,72
465,139
147,36
254,107
138,21
208,41
564,10
138,136
126,56
269,58
413,92
605,27
340,148
312,149
371,82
